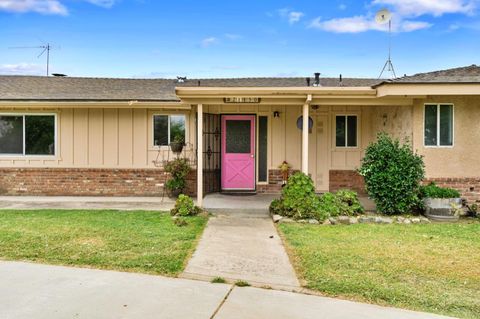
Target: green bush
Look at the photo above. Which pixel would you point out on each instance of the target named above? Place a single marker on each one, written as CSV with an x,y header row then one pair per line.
x,y
433,191
178,169
184,206
393,173
276,207
348,203
299,200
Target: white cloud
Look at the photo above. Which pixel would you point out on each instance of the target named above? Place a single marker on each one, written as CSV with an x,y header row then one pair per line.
x,y
360,24
355,24
232,36
416,8
22,69
342,6
103,3
409,26
292,16
38,6
208,42
51,7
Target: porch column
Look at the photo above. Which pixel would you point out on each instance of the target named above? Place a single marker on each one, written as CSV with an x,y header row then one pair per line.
x,y
200,155
305,136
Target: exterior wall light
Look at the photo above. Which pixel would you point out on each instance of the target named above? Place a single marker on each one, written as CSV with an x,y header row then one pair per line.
x,y
276,114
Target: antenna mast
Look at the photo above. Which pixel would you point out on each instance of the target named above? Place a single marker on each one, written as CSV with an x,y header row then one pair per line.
x,y
46,48
383,17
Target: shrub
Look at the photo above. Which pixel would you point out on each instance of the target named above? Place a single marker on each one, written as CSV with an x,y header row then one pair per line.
x,y
348,203
178,169
184,206
392,174
276,207
433,191
299,200
329,206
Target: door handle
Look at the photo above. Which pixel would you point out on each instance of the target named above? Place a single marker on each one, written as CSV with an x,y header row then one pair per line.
x,y
251,155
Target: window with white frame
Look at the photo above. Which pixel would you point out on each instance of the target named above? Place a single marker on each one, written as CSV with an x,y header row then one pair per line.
x,y
438,128
167,129
27,135
346,131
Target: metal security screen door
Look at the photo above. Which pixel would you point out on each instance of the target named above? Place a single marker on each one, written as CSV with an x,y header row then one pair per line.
x,y
211,153
238,152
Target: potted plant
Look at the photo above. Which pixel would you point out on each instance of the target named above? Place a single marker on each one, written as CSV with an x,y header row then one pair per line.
x,y
178,143
441,204
284,169
178,170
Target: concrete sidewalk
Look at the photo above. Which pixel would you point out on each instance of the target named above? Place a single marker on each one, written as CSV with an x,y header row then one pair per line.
x,y
53,292
86,202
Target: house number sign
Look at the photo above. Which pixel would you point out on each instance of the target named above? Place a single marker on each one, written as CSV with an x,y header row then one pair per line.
x,y
242,100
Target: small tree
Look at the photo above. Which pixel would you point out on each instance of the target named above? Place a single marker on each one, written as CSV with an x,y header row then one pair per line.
x,y
392,173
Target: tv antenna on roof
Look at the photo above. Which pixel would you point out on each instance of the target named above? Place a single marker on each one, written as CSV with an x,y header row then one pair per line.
x,y
383,17
45,48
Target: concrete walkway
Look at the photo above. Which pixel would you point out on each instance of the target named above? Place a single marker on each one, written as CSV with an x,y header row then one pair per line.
x,y
86,202
240,242
52,292
242,248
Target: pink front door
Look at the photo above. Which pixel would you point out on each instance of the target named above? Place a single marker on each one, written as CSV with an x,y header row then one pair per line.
x,y
238,152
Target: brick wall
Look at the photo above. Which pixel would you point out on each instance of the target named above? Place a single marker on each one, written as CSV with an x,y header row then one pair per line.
x,y
469,187
344,179
86,182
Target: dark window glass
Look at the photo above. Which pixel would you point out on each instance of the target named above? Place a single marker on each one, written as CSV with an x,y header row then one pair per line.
x,y
340,131
177,127
352,131
11,135
39,135
446,125
262,148
238,138
431,125
160,130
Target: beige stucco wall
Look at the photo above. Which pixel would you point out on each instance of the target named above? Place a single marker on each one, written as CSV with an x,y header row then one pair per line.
x,y
100,138
461,160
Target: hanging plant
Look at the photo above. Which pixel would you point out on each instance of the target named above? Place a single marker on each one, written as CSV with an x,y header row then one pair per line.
x,y
284,169
177,145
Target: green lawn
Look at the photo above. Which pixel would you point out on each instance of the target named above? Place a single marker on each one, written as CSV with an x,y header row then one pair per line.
x,y
433,268
137,241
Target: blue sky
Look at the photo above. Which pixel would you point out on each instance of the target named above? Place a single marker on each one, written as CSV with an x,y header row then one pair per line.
x,y
207,38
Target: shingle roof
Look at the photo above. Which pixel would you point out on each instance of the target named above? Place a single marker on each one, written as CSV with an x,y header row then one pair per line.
x,y
468,74
107,89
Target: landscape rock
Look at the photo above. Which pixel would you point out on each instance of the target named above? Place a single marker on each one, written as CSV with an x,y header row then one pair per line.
x,y
327,222
332,220
286,221
277,218
424,220
407,221
366,219
313,221
345,220
383,220
400,219
416,220
303,221
353,220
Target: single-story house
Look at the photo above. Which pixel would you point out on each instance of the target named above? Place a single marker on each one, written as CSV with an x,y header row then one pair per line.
x,y
100,136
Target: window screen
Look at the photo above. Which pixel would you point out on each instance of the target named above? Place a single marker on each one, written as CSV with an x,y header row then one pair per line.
x,y
262,148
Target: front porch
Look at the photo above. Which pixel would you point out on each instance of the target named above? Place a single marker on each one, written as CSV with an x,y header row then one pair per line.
x,y
321,132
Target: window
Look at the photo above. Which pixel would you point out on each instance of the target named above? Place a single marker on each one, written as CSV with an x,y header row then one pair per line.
x,y
27,135
262,148
438,129
346,131
167,128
